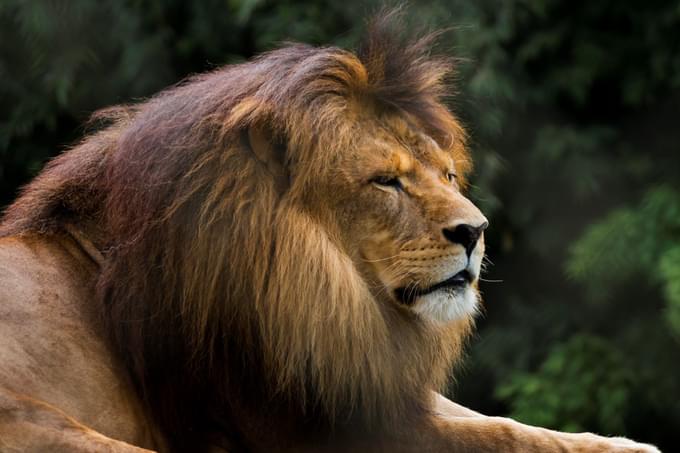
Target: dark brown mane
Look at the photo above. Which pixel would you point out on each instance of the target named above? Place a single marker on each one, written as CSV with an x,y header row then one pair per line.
x,y
201,289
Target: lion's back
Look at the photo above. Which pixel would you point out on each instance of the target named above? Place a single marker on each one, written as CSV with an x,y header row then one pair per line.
x,y
51,349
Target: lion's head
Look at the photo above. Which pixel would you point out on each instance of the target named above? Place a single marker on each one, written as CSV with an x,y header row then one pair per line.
x,y
397,203
289,231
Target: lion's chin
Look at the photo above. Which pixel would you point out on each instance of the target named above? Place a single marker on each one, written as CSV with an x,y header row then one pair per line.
x,y
447,305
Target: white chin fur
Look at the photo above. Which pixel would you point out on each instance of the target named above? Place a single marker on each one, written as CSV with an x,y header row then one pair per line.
x,y
445,305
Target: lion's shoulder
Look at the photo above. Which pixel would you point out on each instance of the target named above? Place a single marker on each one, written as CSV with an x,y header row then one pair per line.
x,y
43,282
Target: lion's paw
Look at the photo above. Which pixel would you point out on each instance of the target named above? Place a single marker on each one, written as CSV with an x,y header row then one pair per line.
x,y
593,443
623,445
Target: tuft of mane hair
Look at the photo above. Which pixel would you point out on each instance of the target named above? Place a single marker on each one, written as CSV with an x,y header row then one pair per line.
x,y
219,291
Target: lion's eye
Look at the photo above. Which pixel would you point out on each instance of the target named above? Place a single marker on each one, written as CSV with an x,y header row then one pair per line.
x,y
451,176
387,181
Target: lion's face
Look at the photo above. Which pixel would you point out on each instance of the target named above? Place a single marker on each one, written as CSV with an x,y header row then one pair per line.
x,y
416,239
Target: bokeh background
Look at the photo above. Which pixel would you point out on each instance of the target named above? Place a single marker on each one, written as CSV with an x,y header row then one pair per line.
x,y
574,114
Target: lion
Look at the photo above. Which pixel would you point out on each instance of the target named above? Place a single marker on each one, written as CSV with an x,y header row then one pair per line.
x,y
273,256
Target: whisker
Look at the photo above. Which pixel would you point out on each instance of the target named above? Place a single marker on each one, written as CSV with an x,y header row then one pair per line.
x,y
380,259
432,258
393,277
411,288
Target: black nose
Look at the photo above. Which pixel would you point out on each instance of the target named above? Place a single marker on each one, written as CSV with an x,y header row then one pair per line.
x,y
465,235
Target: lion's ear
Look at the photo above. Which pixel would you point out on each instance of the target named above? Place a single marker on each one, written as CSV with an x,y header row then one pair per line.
x,y
270,151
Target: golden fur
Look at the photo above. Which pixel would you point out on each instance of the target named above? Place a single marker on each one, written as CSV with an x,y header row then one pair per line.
x,y
242,283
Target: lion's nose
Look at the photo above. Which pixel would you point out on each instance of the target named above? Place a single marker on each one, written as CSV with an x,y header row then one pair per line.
x,y
465,235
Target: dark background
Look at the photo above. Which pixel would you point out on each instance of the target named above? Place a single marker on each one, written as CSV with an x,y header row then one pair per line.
x,y
574,113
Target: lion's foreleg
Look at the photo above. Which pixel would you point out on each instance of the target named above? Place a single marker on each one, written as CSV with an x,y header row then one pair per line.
x,y
498,434
28,425
445,407
453,428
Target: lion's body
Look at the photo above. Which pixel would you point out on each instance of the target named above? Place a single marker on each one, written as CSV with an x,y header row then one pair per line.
x,y
273,256
52,348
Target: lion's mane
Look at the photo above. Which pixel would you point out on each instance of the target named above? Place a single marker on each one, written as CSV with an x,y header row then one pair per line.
x,y
218,289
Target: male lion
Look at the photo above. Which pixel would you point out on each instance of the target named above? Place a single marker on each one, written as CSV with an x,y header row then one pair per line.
x,y
275,256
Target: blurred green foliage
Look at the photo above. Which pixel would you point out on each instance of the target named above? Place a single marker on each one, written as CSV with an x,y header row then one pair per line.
x,y
573,113
583,382
634,243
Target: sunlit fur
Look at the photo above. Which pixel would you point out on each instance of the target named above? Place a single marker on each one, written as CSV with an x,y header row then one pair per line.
x,y
223,292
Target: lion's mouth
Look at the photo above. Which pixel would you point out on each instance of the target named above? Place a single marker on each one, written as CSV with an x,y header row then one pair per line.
x,y
408,295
